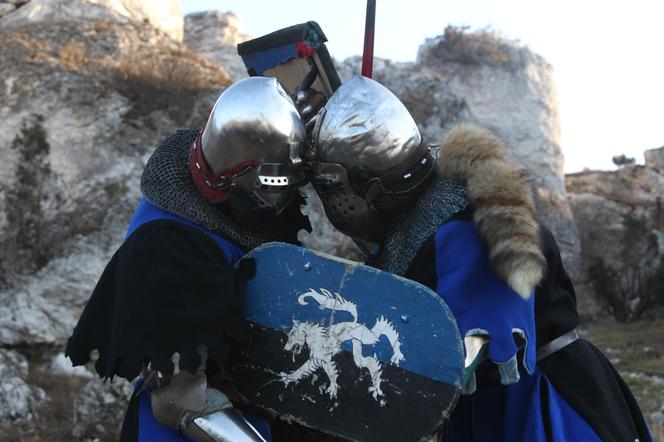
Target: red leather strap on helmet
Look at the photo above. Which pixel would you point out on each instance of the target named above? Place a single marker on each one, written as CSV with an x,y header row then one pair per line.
x,y
214,188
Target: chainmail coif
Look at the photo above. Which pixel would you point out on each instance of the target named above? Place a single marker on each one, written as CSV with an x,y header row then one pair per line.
x,y
167,183
436,205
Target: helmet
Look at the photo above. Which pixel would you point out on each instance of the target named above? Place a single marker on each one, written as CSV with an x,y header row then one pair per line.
x,y
369,158
249,152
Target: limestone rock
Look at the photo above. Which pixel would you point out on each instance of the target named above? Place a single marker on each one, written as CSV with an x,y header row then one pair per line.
x,y
6,8
61,365
620,218
164,15
655,159
100,406
214,35
18,400
82,106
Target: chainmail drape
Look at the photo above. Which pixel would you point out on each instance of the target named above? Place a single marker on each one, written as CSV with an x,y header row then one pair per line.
x,y
437,205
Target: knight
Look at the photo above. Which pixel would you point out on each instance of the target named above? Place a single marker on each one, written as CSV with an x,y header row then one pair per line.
x,y
462,221
168,306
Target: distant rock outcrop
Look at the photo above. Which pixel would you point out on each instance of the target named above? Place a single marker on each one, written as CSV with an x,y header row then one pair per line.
x,y
620,218
655,159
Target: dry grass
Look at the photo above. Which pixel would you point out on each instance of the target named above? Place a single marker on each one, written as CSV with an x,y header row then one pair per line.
x,y
637,351
155,73
657,430
55,417
477,48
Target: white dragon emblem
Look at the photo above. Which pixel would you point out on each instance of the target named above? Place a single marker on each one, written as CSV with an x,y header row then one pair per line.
x,y
325,342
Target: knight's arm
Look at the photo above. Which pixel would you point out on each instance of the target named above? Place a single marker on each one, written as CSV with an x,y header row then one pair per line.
x,y
168,288
173,269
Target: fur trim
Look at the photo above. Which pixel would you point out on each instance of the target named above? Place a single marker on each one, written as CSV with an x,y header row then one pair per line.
x,y
502,200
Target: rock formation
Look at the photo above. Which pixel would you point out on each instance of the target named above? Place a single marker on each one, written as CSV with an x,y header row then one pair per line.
x,y
214,36
164,15
620,218
84,98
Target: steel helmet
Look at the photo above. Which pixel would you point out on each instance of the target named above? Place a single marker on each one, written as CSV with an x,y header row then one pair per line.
x,y
369,158
249,152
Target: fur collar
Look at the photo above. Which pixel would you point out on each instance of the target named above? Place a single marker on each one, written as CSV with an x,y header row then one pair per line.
x,y
502,201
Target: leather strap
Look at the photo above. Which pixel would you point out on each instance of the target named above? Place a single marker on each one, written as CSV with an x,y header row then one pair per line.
x,y
557,344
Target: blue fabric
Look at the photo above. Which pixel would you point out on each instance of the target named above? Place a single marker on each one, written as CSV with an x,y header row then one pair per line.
x,y
483,303
269,58
148,428
517,413
146,212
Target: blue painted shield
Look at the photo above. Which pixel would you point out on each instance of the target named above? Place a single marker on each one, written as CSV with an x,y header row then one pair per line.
x,y
347,349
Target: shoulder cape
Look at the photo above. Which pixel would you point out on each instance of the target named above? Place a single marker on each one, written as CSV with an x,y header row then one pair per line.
x,y
169,288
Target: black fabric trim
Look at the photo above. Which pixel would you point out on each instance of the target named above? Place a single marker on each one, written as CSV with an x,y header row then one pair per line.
x,y
168,288
129,432
555,299
546,410
465,215
588,381
423,267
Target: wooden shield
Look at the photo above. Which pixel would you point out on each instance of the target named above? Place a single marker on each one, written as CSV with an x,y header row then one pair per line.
x,y
347,349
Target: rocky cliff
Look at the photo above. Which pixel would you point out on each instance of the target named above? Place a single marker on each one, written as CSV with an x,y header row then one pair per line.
x,y
620,218
161,15
85,96
214,36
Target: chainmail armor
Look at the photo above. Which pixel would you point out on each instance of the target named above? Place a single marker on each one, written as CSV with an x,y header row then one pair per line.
x,y
438,204
167,183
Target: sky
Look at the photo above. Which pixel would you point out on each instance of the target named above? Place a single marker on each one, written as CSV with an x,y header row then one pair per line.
x,y
607,56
